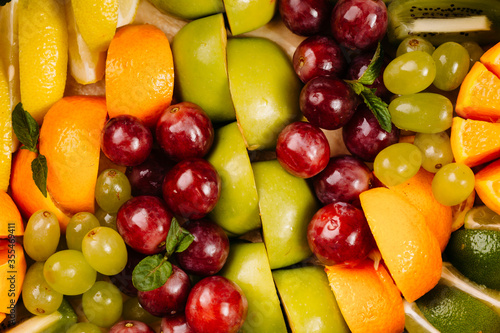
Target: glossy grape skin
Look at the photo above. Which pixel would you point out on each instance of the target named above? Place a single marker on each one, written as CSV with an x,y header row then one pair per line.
x,y
328,102
104,249
38,297
147,177
305,17
175,324
132,310
77,228
436,150
192,188
452,65
359,24
475,51
143,222
363,136
453,183
105,218
318,56
343,179
125,140
69,273
41,235
208,252
102,304
216,304
422,112
397,163
112,189
410,73
414,43
123,280
130,326
357,68
302,149
84,328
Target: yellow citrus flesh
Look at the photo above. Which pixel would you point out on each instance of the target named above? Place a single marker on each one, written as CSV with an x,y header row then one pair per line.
x,y
5,132
127,9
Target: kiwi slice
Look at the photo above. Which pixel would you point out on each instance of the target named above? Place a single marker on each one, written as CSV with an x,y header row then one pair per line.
x,y
440,21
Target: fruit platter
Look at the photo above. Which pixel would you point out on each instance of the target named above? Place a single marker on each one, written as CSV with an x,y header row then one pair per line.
x,y
223,166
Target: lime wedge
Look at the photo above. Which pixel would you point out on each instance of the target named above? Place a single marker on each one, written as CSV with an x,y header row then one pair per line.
x,y
415,321
481,217
127,9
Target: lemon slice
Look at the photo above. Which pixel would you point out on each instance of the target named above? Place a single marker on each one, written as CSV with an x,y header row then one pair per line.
x,y
85,66
481,217
5,132
96,21
127,9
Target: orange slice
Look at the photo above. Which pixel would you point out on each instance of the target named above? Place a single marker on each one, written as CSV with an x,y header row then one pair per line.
x,y
12,272
487,186
491,59
11,222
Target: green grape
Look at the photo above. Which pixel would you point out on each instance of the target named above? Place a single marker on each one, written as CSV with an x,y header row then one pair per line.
x,y
422,112
42,234
112,189
106,219
77,228
410,73
397,163
132,310
84,328
105,250
69,273
475,51
102,304
414,43
453,183
452,65
436,150
38,297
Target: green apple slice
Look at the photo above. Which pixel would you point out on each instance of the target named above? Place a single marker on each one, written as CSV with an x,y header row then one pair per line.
x,y
264,88
308,300
237,210
287,204
248,266
199,51
189,9
245,16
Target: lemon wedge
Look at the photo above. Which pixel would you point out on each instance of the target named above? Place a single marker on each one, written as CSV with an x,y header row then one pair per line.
x,y
5,132
127,9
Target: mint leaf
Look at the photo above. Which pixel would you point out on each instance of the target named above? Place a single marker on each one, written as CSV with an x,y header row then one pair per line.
x,y
151,272
4,2
178,238
373,69
378,107
25,128
39,170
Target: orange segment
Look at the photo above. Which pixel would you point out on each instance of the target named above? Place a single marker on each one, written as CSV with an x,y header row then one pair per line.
x,y
474,142
70,139
139,73
418,191
408,247
479,95
26,194
11,222
367,297
488,186
12,272
491,59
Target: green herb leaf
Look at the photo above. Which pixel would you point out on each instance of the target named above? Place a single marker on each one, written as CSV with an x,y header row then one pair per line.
x,y
25,127
4,2
151,272
373,69
378,107
178,238
39,171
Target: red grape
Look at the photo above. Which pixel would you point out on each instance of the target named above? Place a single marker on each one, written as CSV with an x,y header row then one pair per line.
x,y
175,324
305,17
357,68
130,326
147,177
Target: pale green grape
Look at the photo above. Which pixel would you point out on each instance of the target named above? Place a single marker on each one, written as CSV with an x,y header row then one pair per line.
x,y
414,43
132,310
452,65
436,150
475,51
112,189
105,250
453,183
38,297
102,304
410,73
84,328
69,273
106,219
397,163
41,235
422,112
77,228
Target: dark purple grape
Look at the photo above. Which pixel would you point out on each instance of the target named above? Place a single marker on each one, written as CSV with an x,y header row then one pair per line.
x,y
359,24
358,66
302,149
147,177
339,233
208,252
126,140
318,56
184,131
131,326
364,137
192,188
175,324
123,280
328,102
305,17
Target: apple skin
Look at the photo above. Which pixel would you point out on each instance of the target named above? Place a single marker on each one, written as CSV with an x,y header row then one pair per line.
x,y
248,266
308,300
245,16
264,88
199,51
237,210
189,9
287,204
